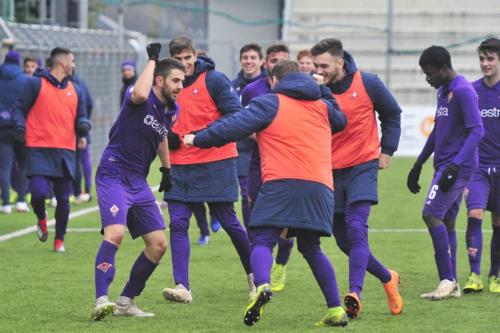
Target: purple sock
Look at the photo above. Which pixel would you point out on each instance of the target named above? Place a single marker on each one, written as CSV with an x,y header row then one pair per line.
x,y
357,233
39,188
261,258
495,252
441,244
308,244
474,241
224,212
245,203
104,268
180,213
285,247
139,274
87,169
452,238
200,214
62,190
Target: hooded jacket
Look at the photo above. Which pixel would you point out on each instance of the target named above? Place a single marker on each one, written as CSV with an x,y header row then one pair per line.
x,y
12,81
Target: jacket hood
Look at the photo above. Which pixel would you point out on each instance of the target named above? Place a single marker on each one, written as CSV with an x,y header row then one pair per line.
x,y
201,65
46,74
241,81
298,85
9,71
350,68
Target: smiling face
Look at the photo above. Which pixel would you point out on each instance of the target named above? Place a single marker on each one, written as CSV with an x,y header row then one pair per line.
x,y
490,64
171,85
251,63
275,57
306,64
329,66
188,59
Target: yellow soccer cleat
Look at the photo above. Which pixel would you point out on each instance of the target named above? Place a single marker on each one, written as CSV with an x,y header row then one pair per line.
x,y
474,284
255,307
278,277
494,284
334,317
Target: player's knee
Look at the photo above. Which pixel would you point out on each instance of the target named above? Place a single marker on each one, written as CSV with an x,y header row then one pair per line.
x,y
476,213
39,194
114,236
179,227
431,221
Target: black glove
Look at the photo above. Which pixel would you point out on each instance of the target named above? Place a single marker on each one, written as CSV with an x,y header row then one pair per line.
x,y
153,50
174,141
82,129
20,137
166,180
413,176
448,178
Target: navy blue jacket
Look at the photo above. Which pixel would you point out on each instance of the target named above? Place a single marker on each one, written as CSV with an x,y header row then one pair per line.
x,y
89,102
215,181
12,81
389,112
46,161
284,203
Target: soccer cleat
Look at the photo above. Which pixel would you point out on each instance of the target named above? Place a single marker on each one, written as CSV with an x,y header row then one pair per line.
x,y
59,246
6,209
252,290
334,317
352,305
22,207
394,299
457,293
41,231
82,198
474,284
103,307
445,289
130,309
203,240
494,284
255,307
53,202
214,224
278,277
178,294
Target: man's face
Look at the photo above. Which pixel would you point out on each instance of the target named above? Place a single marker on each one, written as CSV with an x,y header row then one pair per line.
x,y
329,66
68,64
128,72
188,58
171,85
489,63
29,67
436,77
250,63
306,65
275,57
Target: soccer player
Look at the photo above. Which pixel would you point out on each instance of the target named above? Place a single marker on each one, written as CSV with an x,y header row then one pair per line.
x,y
305,60
251,60
124,197
483,192
202,175
294,126
274,53
357,155
50,115
454,140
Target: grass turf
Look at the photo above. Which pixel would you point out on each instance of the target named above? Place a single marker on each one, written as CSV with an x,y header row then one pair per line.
x,y
47,292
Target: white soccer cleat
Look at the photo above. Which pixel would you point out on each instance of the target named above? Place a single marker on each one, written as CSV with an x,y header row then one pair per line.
x,y
53,202
102,308
178,294
126,307
252,290
445,289
6,209
82,198
457,293
22,207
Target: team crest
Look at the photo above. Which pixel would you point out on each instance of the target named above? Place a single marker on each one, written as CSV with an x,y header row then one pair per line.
x,y
114,210
195,91
69,93
104,266
450,96
354,94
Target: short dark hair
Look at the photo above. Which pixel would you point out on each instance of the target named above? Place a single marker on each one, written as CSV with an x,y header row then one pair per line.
x,y
179,44
56,53
490,45
283,68
252,47
29,59
331,45
164,67
435,57
277,47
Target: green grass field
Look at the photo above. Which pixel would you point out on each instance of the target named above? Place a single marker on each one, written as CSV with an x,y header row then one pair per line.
x,y
41,291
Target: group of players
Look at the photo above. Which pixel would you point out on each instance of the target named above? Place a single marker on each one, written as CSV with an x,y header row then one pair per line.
x,y
299,134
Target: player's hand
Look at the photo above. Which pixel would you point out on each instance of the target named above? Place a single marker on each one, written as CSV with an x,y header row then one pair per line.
x,y
153,50
413,176
448,178
20,137
174,141
82,129
189,139
384,161
166,180
82,143
320,79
